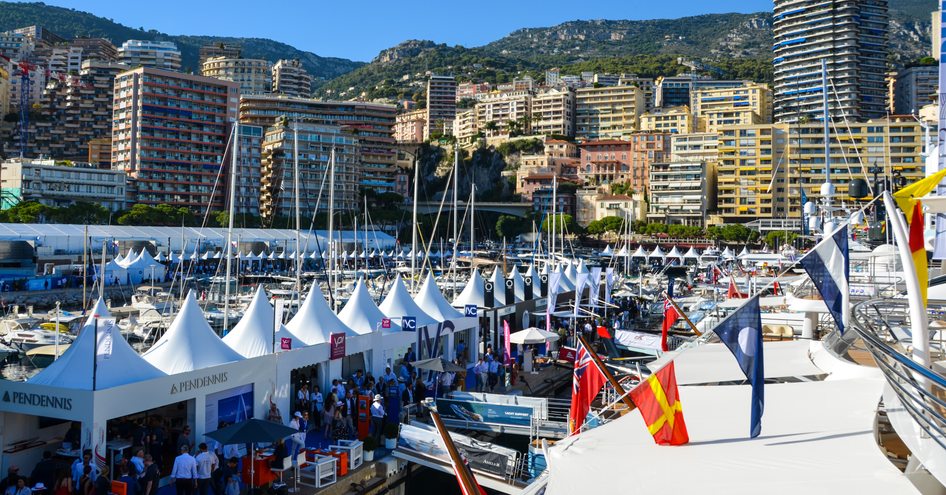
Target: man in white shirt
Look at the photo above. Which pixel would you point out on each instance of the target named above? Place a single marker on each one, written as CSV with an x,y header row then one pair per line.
x,y
294,441
184,472
206,464
377,417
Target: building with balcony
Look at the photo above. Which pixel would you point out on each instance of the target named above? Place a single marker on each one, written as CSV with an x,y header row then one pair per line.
x,y
441,104
100,152
465,128
169,134
152,54
253,76
699,146
225,50
675,120
61,183
914,88
681,192
372,124
609,112
714,107
553,112
410,127
762,169
605,162
249,170
851,36
4,89
564,199
469,90
291,79
316,142
504,113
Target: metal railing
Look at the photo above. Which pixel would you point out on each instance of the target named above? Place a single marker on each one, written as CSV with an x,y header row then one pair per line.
x,y
883,327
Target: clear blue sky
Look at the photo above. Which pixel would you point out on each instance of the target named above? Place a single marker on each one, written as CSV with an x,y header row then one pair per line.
x,y
359,29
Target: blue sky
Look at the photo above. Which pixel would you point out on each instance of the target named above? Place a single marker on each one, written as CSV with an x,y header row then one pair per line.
x,y
359,29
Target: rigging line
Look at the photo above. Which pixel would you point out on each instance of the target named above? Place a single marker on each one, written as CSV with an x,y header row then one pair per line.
x,y
850,134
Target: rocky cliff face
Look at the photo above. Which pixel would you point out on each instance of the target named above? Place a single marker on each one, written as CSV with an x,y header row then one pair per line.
x,y
407,49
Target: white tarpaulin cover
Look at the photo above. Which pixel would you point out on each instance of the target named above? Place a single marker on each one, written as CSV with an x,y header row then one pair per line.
x,y
398,303
189,343
74,368
431,300
532,335
315,321
362,315
714,363
817,438
640,340
253,336
519,286
473,293
499,288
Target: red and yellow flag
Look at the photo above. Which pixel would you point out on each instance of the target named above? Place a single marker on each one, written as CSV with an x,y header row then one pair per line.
x,y
918,248
659,402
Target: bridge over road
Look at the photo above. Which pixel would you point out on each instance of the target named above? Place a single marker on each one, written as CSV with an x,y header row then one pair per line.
x,y
430,207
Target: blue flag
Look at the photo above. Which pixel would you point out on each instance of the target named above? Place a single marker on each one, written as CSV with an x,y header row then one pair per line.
x,y
742,334
829,268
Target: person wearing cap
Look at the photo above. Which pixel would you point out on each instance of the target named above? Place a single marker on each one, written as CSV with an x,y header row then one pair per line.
x,y
295,443
377,416
184,472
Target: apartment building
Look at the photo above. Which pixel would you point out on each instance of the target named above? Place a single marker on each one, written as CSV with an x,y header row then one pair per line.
x,y
372,123
73,110
225,50
763,168
698,146
100,152
469,90
152,54
607,112
504,113
553,112
682,192
291,79
851,36
535,172
914,88
4,89
410,126
61,183
465,128
253,76
169,133
714,107
316,142
249,170
675,120
441,104
605,162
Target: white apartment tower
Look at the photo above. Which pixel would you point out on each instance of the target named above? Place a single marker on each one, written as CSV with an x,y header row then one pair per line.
x,y
851,35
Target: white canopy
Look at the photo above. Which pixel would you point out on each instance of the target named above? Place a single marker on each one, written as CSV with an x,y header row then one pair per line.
x,y
674,253
530,272
532,335
130,258
361,314
74,368
744,252
189,343
656,253
253,336
205,256
474,292
431,300
398,304
570,274
727,254
623,252
607,251
519,285
692,254
803,449
118,258
564,284
640,253
145,267
161,257
315,321
499,288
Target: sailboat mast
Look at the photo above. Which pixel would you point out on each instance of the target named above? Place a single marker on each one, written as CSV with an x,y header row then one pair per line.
x,y
234,150
331,222
827,189
456,239
414,223
472,210
295,187
552,219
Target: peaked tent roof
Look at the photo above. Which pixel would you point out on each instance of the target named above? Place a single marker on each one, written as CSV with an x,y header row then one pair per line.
x,y
473,293
530,272
657,252
744,252
727,253
519,285
431,300
692,254
361,314
315,321
189,343
570,273
640,253
253,336
398,303
567,283
674,253
74,367
607,251
499,288
623,252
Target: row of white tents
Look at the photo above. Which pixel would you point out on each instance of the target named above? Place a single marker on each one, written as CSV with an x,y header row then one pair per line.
x,y
674,253
274,256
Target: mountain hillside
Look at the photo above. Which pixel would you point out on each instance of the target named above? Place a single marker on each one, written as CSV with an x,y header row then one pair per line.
x,y
72,23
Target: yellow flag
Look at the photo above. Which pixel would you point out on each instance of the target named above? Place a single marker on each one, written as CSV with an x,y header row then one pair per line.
x,y
908,196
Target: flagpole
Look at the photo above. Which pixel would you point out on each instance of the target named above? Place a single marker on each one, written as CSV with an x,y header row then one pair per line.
x,y
468,485
684,315
618,389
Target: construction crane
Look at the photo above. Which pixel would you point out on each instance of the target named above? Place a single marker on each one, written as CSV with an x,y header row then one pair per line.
x,y
25,68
